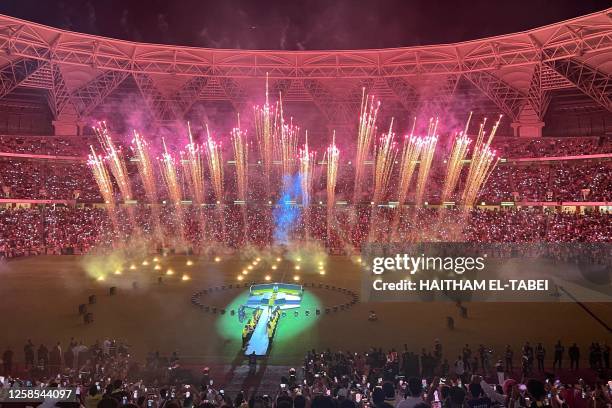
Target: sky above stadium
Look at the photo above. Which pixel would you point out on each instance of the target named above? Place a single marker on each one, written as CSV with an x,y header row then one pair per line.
x,y
298,25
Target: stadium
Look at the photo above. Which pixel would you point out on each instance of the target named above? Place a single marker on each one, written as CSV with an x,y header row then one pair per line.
x,y
201,226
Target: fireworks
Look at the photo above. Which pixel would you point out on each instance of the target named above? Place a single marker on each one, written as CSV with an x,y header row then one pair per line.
x,y
307,160
241,159
482,164
104,183
266,120
115,161
170,177
455,164
145,167
277,142
385,153
169,174
333,155
147,176
410,155
288,145
215,165
194,169
428,147
365,135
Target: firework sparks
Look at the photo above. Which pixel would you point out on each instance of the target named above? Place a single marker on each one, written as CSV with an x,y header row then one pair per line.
x,y
102,177
428,148
333,156
145,166
215,165
241,156
241,160
410,156
170,177
455,164
385,153
277,141
288,145
266,129
169,174
147,176
365,136
307,160
482,164
194,169
115,160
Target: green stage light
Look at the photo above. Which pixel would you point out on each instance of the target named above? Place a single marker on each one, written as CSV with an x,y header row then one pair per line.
x,y
288,328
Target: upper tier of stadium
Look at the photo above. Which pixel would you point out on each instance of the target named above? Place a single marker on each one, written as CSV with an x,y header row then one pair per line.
x,y
557,70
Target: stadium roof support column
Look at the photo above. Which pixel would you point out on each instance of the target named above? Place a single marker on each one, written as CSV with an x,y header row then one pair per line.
x,y
190,93
406,93
352,104
65,118
538,97
163,109
338,114
509,100
58,95
17,71
234,93
593,83
92,94
530,121
442,98
281,86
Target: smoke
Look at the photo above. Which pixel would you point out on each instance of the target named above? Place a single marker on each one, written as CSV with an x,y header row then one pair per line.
x,y
121,267
64,13
162,23
123,22
283,35
311,255
286,213
164,28
207,40
127,29
91,18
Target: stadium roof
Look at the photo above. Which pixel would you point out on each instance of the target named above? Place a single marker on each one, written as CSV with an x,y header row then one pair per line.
x,y
513,71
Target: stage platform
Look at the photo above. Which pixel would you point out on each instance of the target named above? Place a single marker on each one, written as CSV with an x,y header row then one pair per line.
x,y
259,341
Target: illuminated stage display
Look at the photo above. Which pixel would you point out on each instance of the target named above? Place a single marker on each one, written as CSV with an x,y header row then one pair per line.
x,y
265,303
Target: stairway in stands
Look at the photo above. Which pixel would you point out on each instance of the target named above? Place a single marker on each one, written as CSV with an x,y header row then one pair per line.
x,y
264,381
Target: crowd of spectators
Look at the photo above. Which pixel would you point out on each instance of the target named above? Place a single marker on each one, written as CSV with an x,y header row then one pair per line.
x,y
572,181
55,229
581,180
551,146
105,375
507,147
47,180
46,145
